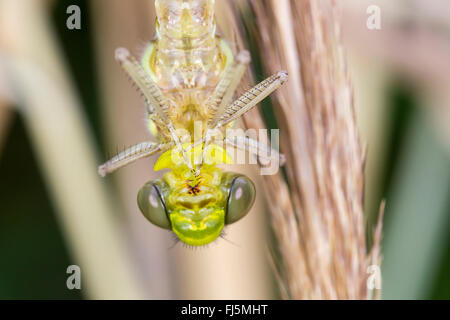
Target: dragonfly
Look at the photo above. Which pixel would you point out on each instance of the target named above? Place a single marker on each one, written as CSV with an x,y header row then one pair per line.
x,y
188,76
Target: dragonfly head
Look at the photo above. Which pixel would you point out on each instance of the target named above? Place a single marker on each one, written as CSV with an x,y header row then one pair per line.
x,y
197,212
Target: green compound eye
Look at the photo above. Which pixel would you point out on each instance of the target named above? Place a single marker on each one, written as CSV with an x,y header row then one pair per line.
x,y
240,199
152,205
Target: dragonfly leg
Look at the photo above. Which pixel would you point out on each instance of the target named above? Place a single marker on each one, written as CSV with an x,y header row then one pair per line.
x,y
224,91
139,151
256,148
252,97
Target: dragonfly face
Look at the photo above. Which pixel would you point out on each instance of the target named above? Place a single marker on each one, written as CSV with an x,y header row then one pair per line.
x,y
189,75
197,210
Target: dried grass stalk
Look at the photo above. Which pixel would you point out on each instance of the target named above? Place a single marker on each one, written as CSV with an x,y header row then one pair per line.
x,y
318,221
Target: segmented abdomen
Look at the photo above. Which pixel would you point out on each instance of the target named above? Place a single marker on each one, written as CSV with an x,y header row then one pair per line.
x,y
186,59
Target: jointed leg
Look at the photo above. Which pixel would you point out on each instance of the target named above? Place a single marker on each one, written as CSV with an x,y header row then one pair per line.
x,y
157,101
223,93
139,151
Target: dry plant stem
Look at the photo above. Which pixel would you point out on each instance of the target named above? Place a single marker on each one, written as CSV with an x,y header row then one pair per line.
x,y
319,222
60,137
375,253
275,188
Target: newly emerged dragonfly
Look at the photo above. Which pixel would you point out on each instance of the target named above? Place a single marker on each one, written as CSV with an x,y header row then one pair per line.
x,y
188,76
